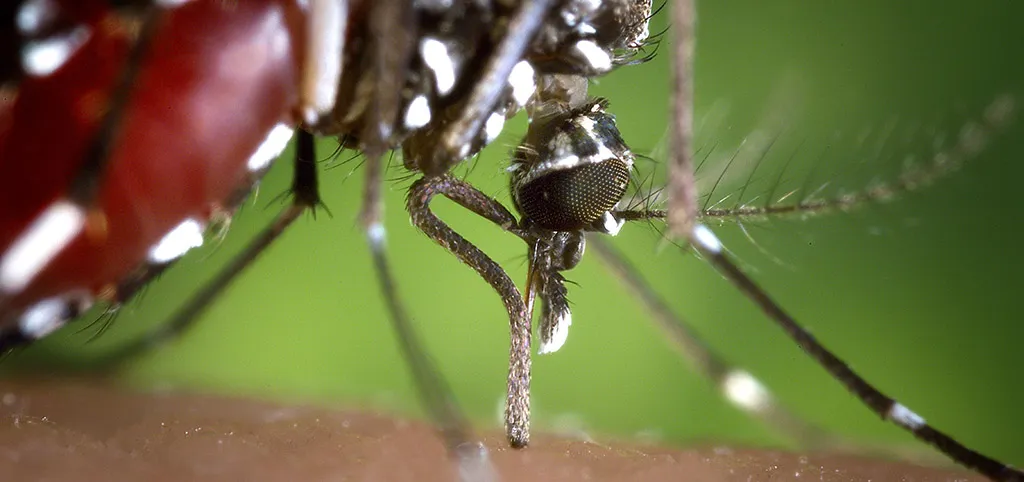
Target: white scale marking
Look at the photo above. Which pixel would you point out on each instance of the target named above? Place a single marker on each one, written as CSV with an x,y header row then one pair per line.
x,y
563,157
464,151
34,15
44,317
46,237
646,32
707,239
44,57
565,162
905,417
588,125
581,10
570,17
492,128
522,81
271,147
604,154
377,234
743,390
321,77
597,58
561,144
558,335
435,55
586,29
177,242
611,225
418,113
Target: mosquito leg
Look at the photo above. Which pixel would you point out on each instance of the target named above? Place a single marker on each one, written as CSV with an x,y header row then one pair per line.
x,y
86,186
973,138
305,196
394,21
434,392
738,386
457,136
52,314
886,407
682,189
517,406
708,245
682,220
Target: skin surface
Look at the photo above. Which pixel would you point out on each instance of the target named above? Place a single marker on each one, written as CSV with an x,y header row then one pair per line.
x,y
86,429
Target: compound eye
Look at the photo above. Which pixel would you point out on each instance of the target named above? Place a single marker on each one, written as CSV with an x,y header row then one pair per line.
x,y
571,169
573,199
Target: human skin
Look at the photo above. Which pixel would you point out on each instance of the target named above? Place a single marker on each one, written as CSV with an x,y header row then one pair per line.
x,y
85,430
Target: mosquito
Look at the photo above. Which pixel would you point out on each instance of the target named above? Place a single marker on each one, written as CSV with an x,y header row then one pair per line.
x,y
557,245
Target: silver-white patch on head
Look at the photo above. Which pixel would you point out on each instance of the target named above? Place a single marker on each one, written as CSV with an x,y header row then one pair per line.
x,y
43,240
568,161
596,57
492,128
177,242
559,333
604,154
561,144
435,55
418,113
523,83
563,156
588,126
35,15
271,147
43,57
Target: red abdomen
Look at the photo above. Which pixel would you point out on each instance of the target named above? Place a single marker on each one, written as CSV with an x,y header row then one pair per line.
x,y
216,80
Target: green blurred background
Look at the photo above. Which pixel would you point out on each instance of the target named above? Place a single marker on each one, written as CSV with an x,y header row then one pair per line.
x,y
919,294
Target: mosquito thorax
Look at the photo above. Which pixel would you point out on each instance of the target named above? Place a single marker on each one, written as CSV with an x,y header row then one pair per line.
x,y
584,38
590,37
571,170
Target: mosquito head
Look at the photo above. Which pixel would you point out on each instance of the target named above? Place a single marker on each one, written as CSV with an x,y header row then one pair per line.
x,y
571,169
